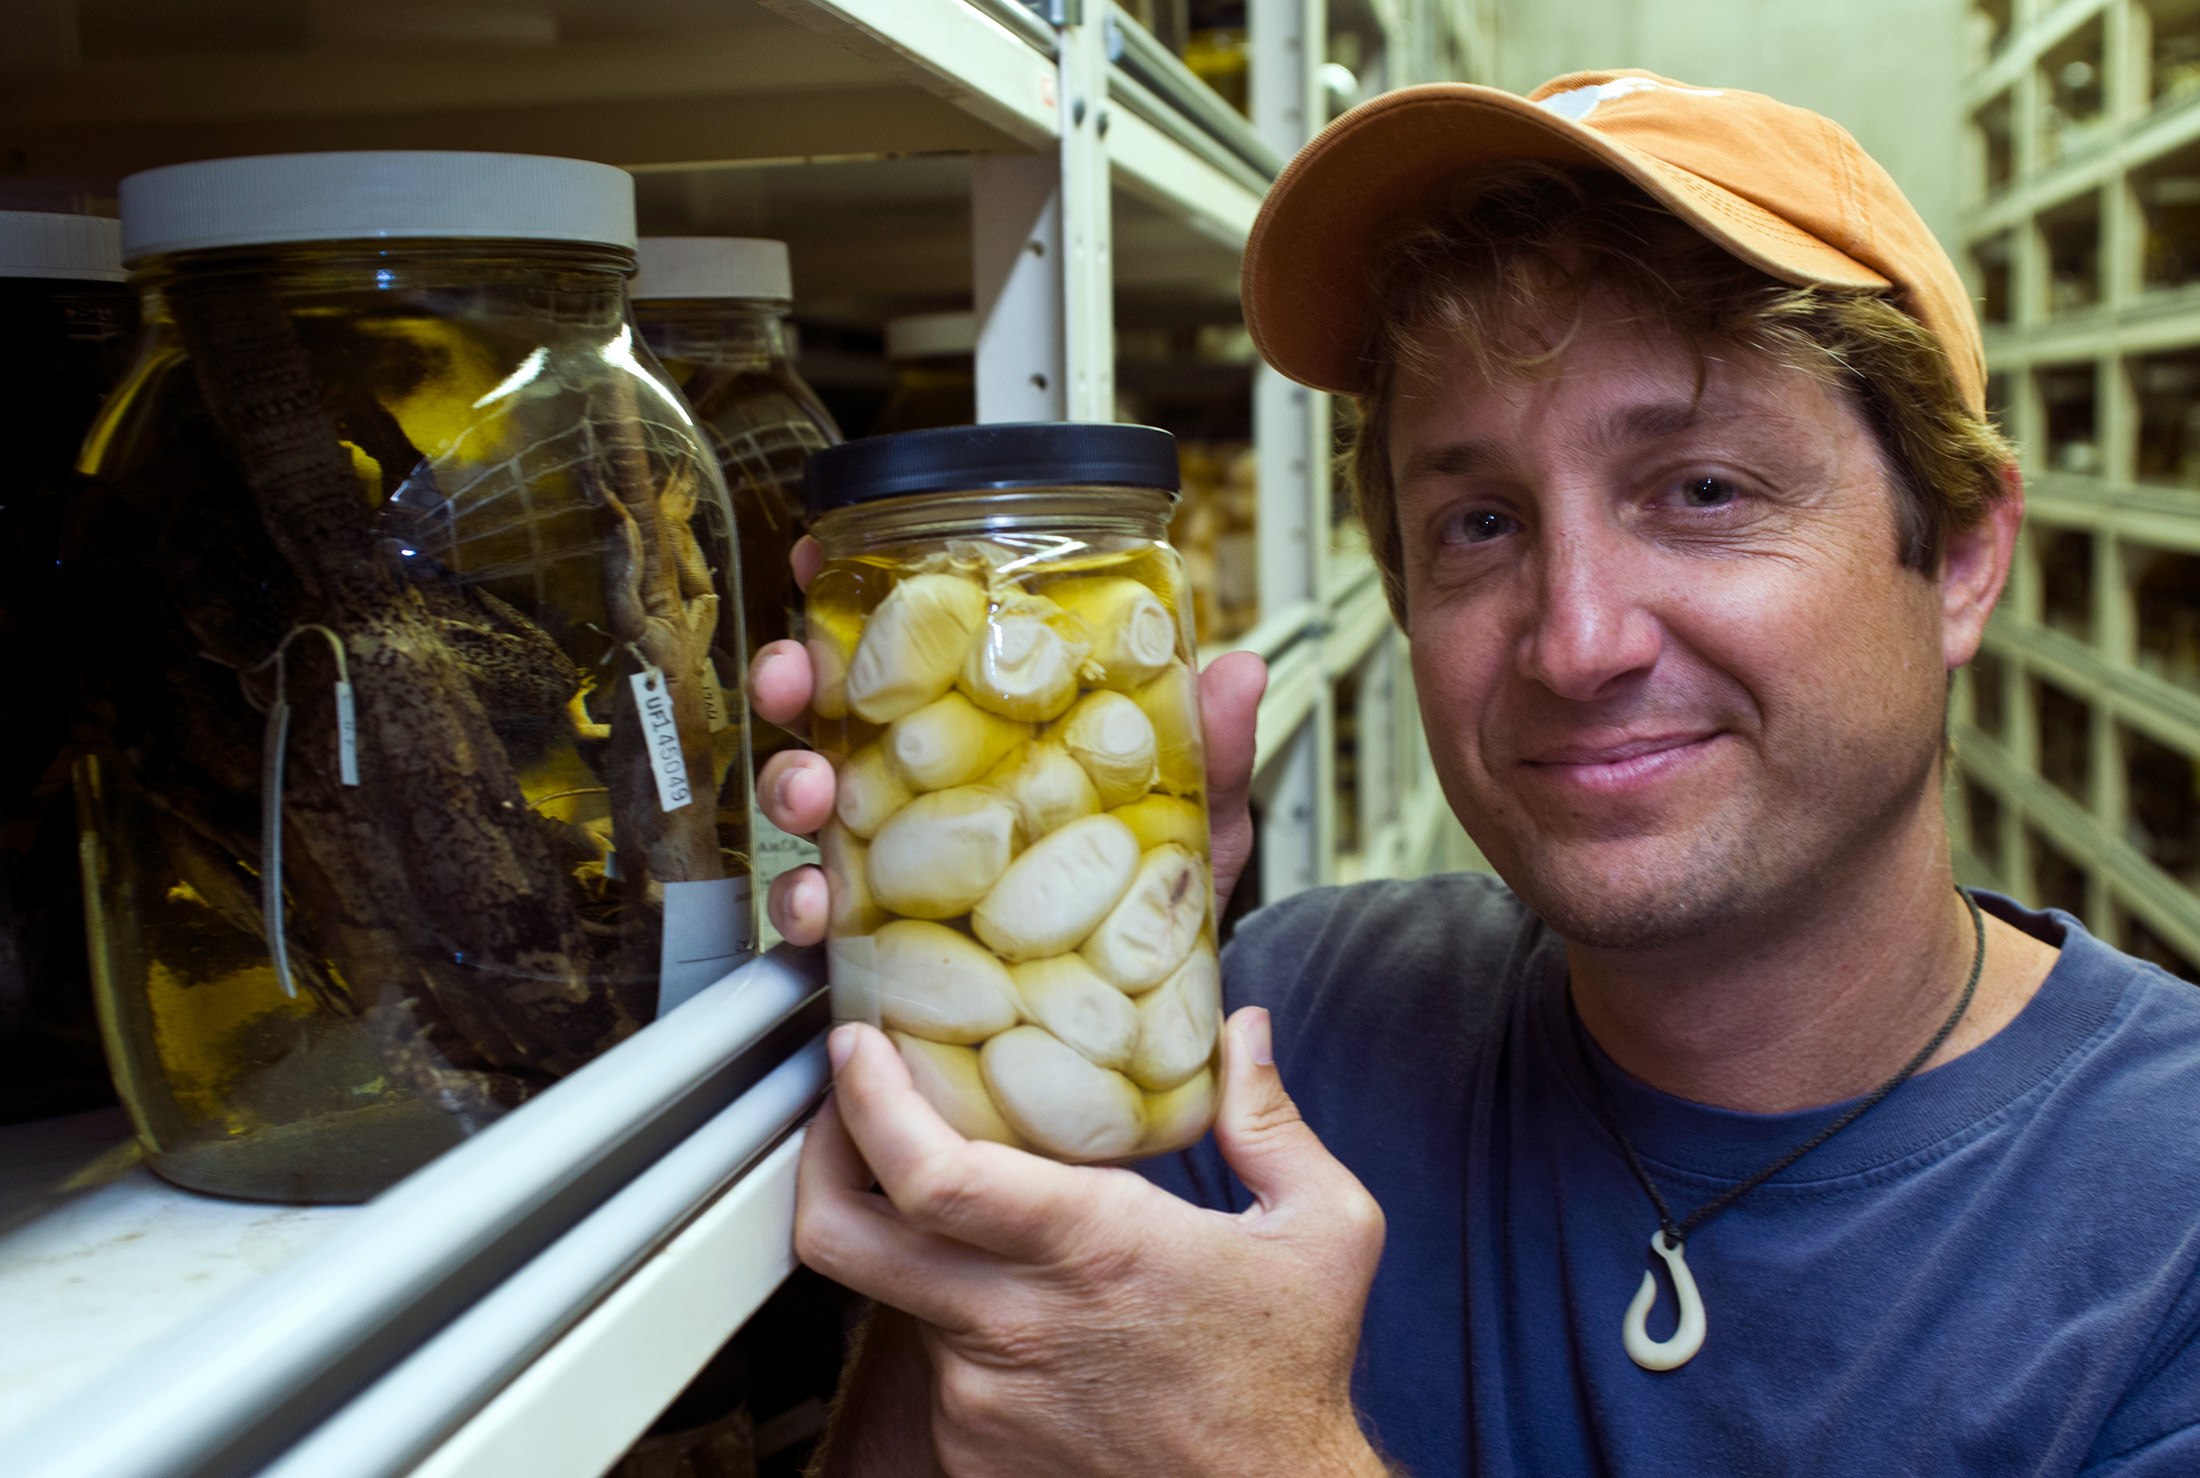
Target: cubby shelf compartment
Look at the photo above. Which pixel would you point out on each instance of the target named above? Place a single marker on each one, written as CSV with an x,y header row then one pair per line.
x,y
2084,244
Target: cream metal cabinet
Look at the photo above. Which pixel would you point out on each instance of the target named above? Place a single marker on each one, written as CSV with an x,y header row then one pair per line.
x,y
530,1302
525,1304
2078,732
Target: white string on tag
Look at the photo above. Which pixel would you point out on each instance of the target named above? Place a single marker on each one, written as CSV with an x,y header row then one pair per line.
x,y
272,743
347,719
661,737
271,839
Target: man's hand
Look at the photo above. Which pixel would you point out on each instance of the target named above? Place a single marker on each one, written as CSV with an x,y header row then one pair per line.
x,y
1084,1321
795,789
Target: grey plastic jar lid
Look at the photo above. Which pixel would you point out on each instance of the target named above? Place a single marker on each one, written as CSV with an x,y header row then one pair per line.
x,y
36,243
744,267
374,194
932,335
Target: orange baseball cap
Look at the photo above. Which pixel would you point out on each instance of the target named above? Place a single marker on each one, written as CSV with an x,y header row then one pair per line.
x,y
1784,189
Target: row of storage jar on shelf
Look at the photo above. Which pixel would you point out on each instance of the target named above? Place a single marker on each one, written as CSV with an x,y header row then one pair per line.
x,y
388,590
934,383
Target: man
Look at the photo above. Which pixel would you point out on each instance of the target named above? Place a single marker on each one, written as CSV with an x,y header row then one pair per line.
x,y
1726,1136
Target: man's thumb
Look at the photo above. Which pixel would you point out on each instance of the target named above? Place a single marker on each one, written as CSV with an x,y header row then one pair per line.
x,y
1258,1126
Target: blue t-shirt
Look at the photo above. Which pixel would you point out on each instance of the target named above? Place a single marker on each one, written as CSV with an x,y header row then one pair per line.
x,y
1992,1272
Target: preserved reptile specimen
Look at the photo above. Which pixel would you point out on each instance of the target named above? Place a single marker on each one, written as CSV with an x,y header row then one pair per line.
x,y
466,501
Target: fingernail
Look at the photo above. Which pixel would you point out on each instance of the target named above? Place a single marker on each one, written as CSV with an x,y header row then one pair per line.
x,y
783,788
1260,1040
841,1043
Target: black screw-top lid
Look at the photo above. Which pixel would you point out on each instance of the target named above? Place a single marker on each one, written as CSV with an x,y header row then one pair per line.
x,y
1016,454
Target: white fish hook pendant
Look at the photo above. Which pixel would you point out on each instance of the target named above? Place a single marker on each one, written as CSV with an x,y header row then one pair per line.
x,y
1672,1353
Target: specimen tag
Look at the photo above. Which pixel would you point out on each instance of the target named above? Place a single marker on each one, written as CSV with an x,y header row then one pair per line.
x,y
714,699
773,852
347,735
661,733
709,930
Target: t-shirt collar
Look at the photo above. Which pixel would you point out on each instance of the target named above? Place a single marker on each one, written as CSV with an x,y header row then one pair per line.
x,y
1678,1136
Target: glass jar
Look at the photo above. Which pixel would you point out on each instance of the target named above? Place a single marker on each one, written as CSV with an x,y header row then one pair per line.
x,y
1215,527
935,372
1018,864
65,327
714,310
1217,49
403,592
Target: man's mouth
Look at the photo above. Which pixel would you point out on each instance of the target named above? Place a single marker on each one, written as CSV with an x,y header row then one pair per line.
x,y
1621,764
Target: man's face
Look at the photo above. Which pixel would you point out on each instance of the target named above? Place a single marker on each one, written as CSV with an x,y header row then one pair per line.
x,y
1670,665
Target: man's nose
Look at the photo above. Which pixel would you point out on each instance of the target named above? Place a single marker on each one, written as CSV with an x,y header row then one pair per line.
x,y
1591,625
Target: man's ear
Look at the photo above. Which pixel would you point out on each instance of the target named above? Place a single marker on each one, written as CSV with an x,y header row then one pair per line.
x,y
1975,567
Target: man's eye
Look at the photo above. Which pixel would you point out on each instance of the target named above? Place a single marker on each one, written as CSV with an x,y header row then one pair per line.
x,y
1481,527
1707,492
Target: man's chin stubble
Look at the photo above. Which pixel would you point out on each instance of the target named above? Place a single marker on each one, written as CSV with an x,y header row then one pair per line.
x,y
1717,882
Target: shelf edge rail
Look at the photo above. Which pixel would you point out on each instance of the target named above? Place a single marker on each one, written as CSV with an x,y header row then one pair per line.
x,y
406,1415
1159,74
233,1390
1035,25
1154,82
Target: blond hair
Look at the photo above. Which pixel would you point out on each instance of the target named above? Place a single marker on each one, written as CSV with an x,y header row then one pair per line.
x,y
1521,247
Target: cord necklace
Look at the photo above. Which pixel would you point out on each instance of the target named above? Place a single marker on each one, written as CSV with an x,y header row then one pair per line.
x,y
1671,1236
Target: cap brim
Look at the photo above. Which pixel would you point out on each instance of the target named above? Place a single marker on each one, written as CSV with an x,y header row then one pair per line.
x,y
1309,301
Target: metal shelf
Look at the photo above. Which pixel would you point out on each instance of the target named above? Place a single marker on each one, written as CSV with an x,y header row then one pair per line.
x,y
574,1409
2022,51
1157,73
1172,164
2133,883
739,83
2162,517
440,1290
2166,713
529,1303
99,1257
2076,296
1359,615
856,78
2139,324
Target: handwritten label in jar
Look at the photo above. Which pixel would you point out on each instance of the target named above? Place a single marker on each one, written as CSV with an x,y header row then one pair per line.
x,y
347,735
661,736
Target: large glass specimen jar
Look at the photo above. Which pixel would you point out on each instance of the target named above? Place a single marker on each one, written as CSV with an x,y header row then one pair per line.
x,y
65,331
405,595
935,371
1018,863
714,310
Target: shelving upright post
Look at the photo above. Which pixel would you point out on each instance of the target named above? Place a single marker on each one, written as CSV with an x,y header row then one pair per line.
x,y
1291,440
